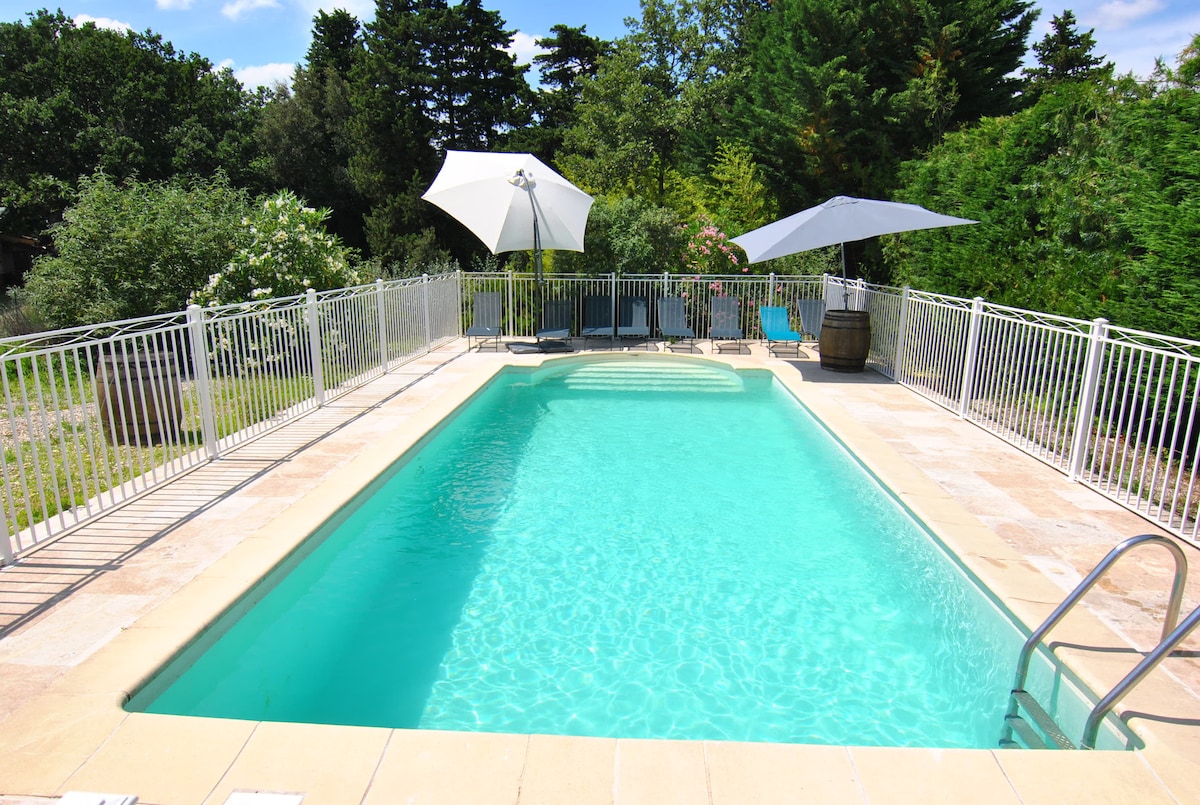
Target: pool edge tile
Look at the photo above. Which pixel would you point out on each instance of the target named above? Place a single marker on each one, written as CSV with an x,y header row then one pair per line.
x,y
1052,778
561,769
436,766
746,773
892,776
660,772
169,759
329,765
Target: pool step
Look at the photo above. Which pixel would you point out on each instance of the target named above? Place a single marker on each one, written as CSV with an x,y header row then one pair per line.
x,y
651,377
1047,735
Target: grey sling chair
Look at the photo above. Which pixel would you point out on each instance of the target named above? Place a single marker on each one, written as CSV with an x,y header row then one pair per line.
x,y
672,322
633,320
725,330
485,319
597,318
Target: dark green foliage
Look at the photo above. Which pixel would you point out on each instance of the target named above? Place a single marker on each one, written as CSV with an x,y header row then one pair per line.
x,y
478,91
74,100
571,58
337,43
1087,202
136,250
648,118
304,132
628,236
433,77
840,91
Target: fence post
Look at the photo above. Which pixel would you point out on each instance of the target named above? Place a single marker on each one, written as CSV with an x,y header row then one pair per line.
x,y
314,346
612,278
1087,398
381,308
425,302
200,370
901,336
968,377
511,329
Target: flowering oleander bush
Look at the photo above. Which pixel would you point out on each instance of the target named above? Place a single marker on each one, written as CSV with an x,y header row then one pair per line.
x,y
284,251
708,251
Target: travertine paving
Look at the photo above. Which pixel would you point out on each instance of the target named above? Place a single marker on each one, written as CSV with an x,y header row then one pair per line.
x,y
86,619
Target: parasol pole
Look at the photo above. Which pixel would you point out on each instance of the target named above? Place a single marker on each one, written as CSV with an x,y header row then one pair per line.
x,y
845,288
526,183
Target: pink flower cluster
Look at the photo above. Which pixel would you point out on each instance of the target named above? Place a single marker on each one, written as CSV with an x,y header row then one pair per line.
x,y
708,252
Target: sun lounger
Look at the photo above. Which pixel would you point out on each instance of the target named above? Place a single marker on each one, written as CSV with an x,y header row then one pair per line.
x,y
812,313
597,317
725,330
556,320
672,322
633,319
485,319
777,330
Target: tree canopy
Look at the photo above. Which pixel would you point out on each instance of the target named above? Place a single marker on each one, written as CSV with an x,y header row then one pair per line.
x,y
706,119
74,99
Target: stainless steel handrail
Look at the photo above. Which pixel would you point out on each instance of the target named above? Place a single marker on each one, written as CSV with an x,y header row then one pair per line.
x,y
1148,664
1172,618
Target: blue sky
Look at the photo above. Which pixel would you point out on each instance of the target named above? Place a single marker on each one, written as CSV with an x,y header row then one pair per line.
x,y
262,40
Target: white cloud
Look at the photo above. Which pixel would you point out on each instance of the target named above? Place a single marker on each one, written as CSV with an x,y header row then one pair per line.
x,y
237,8
173,5
362,10
264,75
1117,14
1136,50
103,22
524,47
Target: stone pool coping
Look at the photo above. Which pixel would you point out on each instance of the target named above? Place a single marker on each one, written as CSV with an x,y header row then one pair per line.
x,y
75,736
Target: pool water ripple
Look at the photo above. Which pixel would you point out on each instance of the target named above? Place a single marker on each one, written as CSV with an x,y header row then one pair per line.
x,y
624,563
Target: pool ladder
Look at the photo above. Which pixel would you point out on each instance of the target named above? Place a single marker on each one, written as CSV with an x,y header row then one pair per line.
x,y
1173,634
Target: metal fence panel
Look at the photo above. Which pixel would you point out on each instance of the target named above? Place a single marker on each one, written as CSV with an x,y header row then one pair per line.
x,y
96,415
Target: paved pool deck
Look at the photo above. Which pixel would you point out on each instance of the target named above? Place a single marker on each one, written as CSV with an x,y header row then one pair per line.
x,y
86,620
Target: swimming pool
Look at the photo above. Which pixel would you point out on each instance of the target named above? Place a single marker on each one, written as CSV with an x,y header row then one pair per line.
x,y
582,551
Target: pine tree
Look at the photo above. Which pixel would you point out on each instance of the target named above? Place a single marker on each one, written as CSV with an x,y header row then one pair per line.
x,y
478,92
570,58
392,135
303,132
433,77
337,42
1064,54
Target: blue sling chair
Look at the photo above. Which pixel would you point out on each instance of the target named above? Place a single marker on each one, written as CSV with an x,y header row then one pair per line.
x,y
777,330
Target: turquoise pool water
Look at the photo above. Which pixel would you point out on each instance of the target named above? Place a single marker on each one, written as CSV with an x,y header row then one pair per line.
x,y
627,550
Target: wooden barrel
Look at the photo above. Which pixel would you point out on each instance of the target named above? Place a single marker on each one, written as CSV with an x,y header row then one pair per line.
x,y
138,397
845,340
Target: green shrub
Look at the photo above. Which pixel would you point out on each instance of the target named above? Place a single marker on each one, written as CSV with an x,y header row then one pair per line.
x,y
131,250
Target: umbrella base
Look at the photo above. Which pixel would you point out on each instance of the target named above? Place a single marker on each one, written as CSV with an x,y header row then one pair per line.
x,y
549,345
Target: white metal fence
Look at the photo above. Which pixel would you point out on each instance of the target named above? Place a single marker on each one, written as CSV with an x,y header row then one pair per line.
x,y
97,415
94,416
1113,408
523,299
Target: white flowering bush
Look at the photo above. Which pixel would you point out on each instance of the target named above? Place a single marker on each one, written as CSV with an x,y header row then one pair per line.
x,y
284,250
